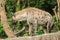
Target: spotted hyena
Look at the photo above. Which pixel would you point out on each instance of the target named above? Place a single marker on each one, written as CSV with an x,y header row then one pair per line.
x,y
34,17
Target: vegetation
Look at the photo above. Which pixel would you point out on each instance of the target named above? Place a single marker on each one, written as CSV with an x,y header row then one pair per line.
x,y
12,6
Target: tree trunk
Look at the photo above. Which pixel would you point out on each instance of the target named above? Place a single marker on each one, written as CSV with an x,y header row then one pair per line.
x,y
6,26
58,13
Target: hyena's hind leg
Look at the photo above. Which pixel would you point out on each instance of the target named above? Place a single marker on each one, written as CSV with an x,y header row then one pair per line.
x,y
48,23
49,26
45,28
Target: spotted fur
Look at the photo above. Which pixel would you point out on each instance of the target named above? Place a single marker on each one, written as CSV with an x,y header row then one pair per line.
x,y
35,16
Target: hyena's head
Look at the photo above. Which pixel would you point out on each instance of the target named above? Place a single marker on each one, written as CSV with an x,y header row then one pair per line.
x,y
19,17
14,18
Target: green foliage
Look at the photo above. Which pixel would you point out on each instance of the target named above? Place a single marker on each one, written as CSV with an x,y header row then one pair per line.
x,y
14,5
2,33
56,24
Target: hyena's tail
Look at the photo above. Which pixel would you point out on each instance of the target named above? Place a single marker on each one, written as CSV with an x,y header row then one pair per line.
x,y
21,30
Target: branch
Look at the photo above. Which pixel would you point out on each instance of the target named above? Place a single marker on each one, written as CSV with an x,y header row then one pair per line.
x,y
58,2
56,14
50,36
20,30
6,26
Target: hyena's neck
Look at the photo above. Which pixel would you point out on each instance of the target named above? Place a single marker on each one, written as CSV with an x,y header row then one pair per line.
x,y
24,14
23,17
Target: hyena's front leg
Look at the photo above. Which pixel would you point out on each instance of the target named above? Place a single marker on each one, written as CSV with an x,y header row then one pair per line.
x,y
30,28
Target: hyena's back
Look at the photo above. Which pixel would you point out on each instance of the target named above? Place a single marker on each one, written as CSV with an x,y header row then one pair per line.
x,y
40,15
